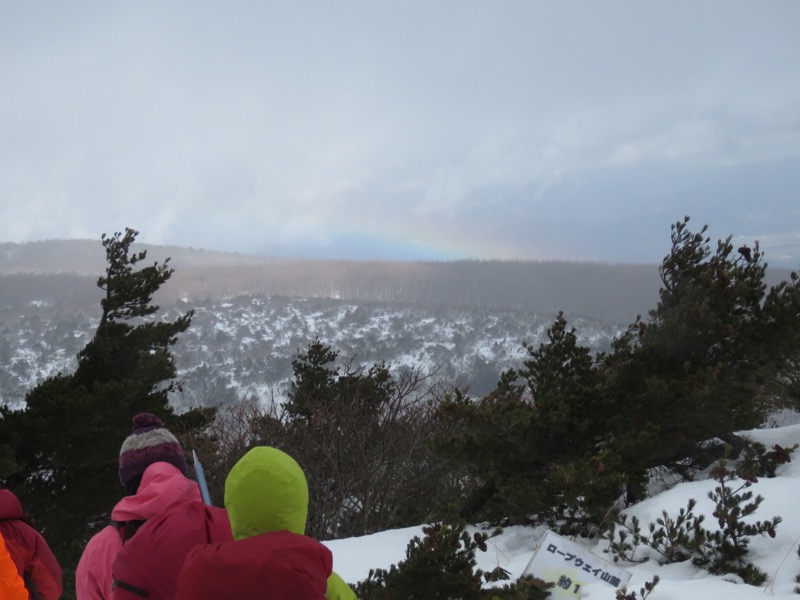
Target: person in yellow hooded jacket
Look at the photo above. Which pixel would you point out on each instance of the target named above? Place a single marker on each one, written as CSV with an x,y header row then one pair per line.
x,y
266,496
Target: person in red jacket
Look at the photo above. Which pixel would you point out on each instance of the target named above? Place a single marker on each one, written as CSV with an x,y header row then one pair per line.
x,y
266,495
12,586
35,563
152,469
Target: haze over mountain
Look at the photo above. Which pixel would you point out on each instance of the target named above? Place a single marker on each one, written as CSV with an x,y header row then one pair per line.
x,y
615,291
464,320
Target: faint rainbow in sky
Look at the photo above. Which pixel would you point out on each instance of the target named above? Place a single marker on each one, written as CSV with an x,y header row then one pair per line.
x,y
428,244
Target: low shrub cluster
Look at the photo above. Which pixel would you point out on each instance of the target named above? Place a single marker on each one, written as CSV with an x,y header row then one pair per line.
x,y
720,549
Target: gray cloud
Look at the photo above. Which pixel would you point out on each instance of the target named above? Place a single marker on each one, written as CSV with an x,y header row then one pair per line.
x,y
402,130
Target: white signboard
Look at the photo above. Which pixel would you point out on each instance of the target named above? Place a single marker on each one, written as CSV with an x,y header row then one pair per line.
x,y
571,567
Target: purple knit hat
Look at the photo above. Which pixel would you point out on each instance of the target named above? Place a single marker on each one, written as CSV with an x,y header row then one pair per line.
x,y
150,442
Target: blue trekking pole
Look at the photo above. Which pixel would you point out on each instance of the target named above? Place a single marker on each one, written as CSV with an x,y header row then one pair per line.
x,y
201,479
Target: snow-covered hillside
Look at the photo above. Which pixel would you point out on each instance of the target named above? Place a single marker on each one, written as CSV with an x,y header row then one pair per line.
x,y
246,345
513,549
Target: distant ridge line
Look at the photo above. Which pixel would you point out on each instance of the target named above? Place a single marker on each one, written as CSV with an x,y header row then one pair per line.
x,y
615,292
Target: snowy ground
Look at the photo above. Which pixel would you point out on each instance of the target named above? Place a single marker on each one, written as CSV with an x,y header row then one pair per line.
x,y
512,550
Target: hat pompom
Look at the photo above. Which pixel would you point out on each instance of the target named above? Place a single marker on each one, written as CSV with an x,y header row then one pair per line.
x,y
150,442
145,422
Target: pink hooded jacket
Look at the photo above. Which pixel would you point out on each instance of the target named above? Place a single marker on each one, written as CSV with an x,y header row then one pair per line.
x,y
163,487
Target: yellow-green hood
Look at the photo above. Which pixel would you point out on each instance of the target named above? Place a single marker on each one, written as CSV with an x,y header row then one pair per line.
x,y
266,491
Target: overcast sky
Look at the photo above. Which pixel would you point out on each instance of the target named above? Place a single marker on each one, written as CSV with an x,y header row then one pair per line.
x,y
429,129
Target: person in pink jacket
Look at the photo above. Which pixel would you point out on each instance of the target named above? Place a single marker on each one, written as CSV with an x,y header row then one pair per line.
x,y
152,469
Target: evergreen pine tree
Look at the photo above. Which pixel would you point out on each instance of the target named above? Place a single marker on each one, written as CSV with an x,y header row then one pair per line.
x,y
65,442
442,566
698,369
360,435
312,387
541,439
560,446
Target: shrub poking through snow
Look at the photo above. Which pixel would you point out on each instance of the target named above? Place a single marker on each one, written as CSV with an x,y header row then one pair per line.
x,y
441,566
719,550
645,590
725,548
675,540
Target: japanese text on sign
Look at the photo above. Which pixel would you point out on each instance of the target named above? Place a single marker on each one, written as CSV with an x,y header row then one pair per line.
x,y
570,567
